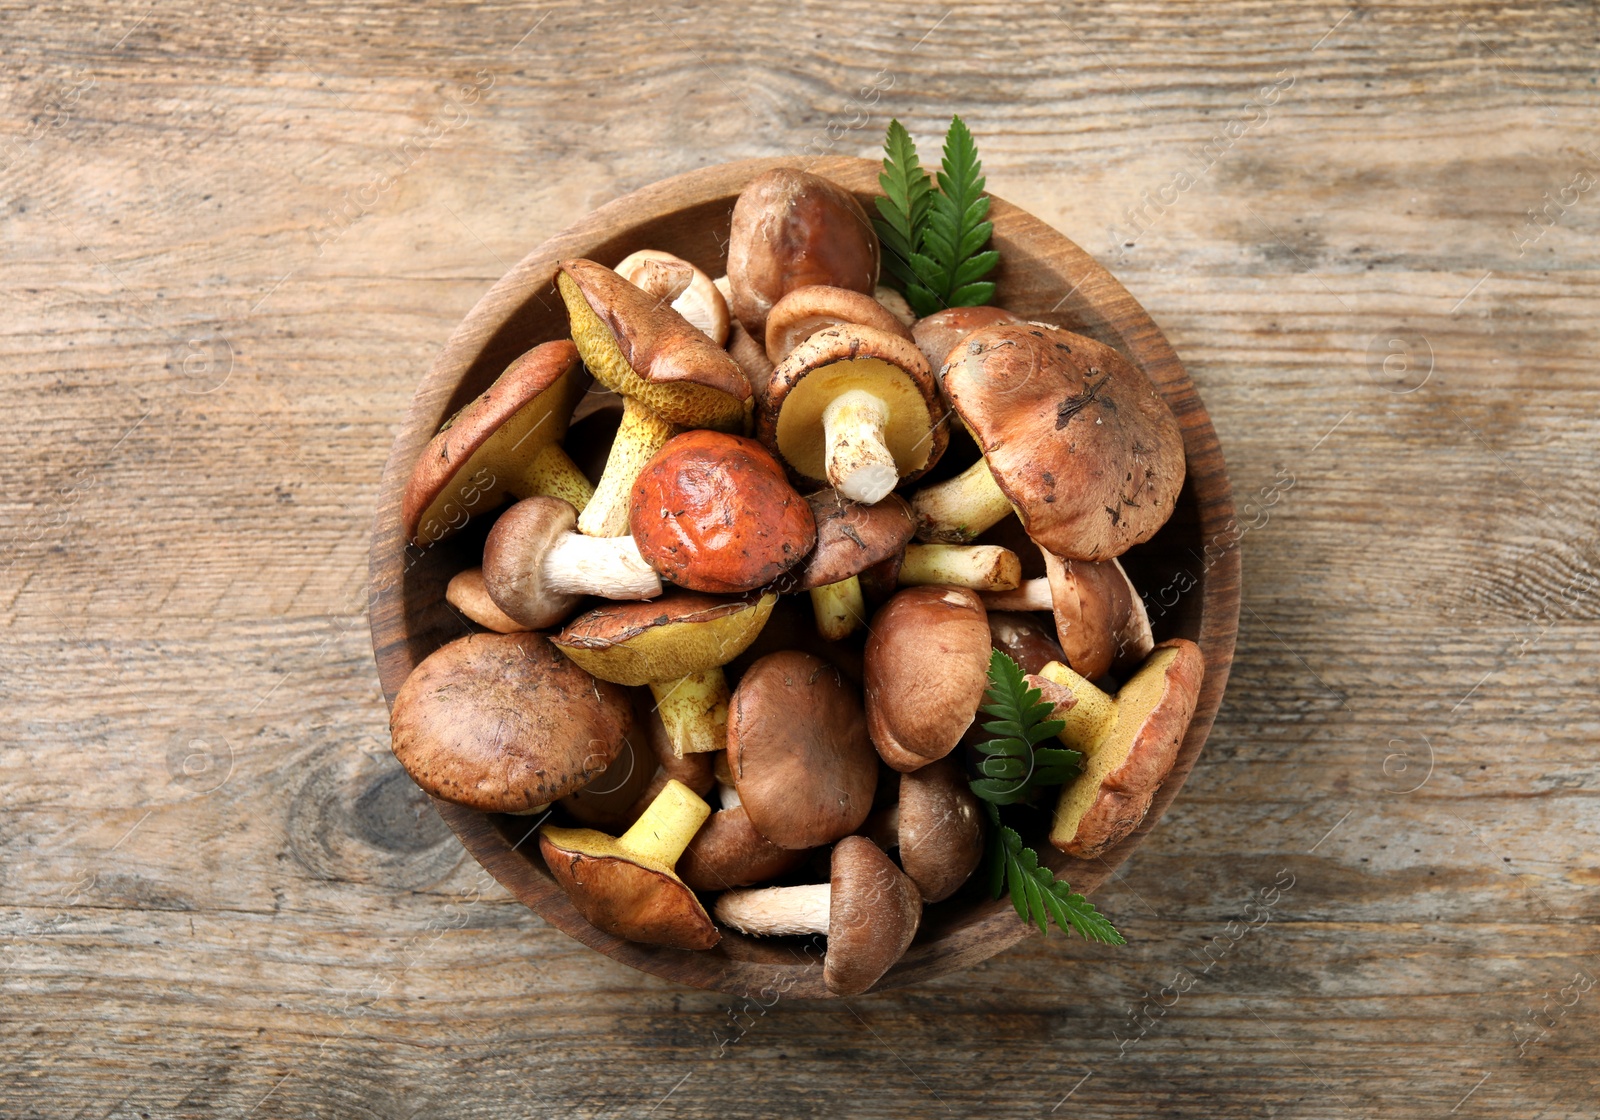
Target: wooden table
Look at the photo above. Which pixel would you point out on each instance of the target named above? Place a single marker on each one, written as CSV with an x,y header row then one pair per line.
x,y
235,234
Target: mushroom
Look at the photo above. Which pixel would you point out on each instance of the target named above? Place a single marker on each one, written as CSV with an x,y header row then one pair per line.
x,y
467,593
939,333
798,751
1023,638
669,373
1129,742
1073,435
850,538
677,645
869,909
927,665
535,567
855,408
505,444
792,229
938,827
1099,615
729,852
979,567
805,311
626,885
895,304
713,512
698,300
750,354
503,723
612,800
693,770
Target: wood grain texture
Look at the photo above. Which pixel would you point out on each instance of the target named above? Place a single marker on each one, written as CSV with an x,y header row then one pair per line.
x,y
235,236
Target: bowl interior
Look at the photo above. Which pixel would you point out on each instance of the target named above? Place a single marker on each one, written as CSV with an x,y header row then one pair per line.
x,y
1189,572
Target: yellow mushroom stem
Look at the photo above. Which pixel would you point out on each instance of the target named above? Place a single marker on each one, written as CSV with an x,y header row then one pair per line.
x,y
640,435
665,828
981,567
958,509
694,711
839,608
1091,719
857,461
551,473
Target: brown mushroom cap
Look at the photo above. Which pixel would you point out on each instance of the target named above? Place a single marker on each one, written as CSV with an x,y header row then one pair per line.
x,y
805,311
873,913
503,723
751,356
836,360
852,537
639,347
1077,438
940,829
611,801
516,584
729,852
927,666
680,633
486,443
937,334
1023,638
792,229
1122,773
1100,618
699,300
714,512
466,593
798,751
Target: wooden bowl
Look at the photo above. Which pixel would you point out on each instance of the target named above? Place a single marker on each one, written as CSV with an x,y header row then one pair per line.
x,y
1189,572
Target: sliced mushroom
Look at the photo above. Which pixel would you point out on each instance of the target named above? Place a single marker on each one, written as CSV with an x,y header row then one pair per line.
x,y
869,910
798,751
713,512
626,885
505,445
504,724
697,300
677,645
855,408
1074,437
805,311
1129,741
927,665
938,827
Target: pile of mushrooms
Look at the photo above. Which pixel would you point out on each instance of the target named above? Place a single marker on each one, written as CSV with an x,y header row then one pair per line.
x,y
732,671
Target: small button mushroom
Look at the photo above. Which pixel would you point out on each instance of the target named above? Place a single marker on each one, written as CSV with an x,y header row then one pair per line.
x,y
798,751
938,334
792,229
728,852
677,645
1129,742
869,910
938,827
1100,618
854,408
927,666
506,444
503,723
851,537
467,593
626,885
1074,437
805,311
697,299
713,512
536,568
668,372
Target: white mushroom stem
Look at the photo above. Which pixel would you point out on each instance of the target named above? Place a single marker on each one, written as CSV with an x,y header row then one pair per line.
x,y
839,608
958,509
1137,639
530,812
608,566
694,711
640,435
728,795
777,911
981,567
1031,595
1091,718
857,461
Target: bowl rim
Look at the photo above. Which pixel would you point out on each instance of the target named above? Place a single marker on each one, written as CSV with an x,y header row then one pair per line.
x,y
1111,314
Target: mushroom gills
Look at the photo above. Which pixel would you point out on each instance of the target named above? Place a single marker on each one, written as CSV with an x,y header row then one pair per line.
x,y
694,710
840,608
777,911
641,434
958,509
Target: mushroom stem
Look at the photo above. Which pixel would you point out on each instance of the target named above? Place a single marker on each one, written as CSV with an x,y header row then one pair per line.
x,y
957,510
729,796
641,434
777,911
694,711
664,829
1091,718
1030,595
855,457
981,567
552,473
839,607
608,566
